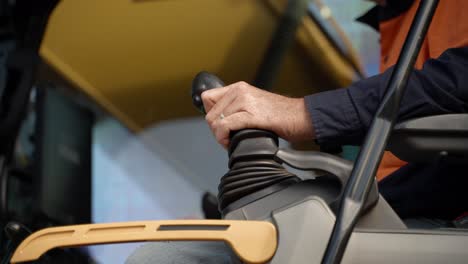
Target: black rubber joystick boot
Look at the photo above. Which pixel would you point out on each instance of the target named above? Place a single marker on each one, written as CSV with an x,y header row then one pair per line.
x,y
253,173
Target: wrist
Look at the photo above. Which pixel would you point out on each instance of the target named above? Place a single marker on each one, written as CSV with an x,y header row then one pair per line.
x,y
300,126
305,125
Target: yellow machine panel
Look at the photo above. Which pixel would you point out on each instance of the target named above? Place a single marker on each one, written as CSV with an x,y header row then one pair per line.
x,y
136,58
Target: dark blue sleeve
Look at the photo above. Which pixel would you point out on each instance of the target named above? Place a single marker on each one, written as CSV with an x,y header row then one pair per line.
x,y
343,116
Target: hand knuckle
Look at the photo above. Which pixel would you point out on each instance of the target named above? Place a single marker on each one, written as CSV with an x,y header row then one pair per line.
x,y
221,124
205,95
243,86
214,125
231,92
207,117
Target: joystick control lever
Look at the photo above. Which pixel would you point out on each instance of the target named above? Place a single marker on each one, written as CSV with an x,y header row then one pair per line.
x,y
252,164
255,161
205,81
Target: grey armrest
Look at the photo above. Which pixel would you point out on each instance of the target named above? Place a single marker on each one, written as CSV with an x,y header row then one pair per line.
x,y
424,139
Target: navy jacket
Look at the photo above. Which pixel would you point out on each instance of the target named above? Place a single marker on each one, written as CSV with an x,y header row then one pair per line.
x,y
343,116
438,190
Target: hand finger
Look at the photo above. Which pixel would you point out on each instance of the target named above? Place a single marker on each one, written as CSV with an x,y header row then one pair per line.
x,y
222,127
212,96
218,109
224,104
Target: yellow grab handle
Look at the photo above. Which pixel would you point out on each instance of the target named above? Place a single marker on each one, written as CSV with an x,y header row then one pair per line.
x,y
252,241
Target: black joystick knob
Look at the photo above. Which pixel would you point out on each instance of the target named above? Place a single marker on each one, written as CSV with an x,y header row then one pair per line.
x,y
202,82
16,232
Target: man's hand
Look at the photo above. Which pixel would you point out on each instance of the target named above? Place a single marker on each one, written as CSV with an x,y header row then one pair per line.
x,y
240,105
